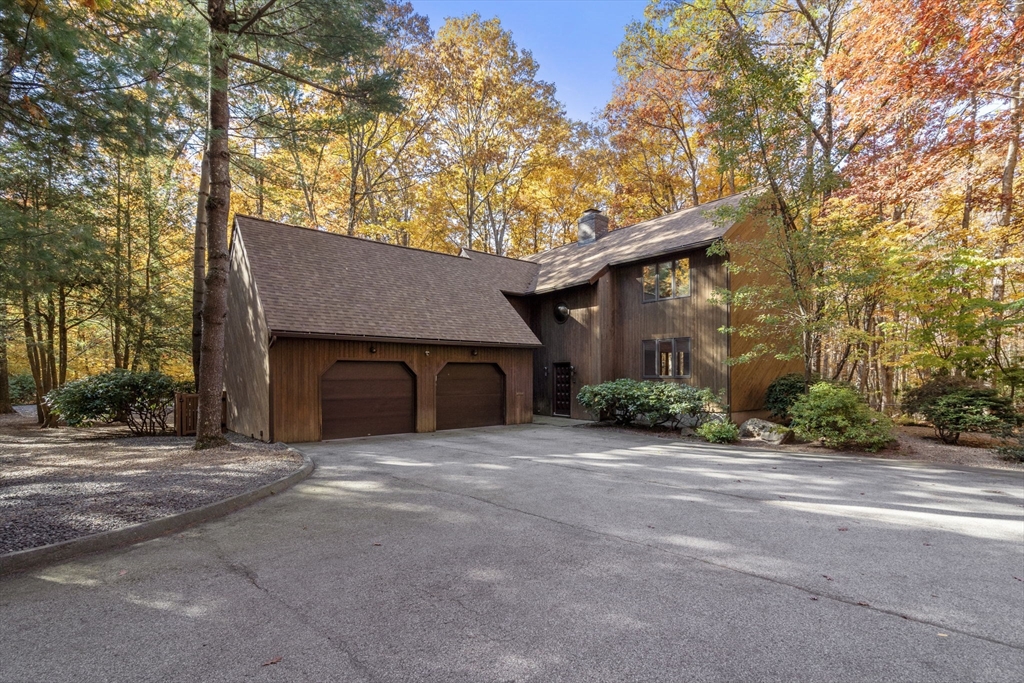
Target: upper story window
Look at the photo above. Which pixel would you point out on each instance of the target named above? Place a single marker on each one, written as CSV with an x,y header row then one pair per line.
x,y
667,280
667,357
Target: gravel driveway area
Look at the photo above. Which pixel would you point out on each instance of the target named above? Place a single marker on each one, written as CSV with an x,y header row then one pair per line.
x,y
59,484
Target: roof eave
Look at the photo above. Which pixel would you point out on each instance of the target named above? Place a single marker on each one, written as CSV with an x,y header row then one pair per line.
x,y
593,278
293,334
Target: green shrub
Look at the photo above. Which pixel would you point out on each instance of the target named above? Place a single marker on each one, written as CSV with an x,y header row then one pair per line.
x,y
971,410
676,403
622,399
628,400
782,393
144,399
956,405
839,417
23,388
716,431
917,399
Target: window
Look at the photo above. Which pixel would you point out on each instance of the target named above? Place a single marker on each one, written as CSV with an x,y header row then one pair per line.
x,y
667,357
667,280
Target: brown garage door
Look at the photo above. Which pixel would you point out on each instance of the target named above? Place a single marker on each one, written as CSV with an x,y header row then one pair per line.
x,y
470,395
363,398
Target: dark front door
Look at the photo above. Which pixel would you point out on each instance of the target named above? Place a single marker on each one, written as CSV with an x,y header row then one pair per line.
x,y
470,395
364,398
563,389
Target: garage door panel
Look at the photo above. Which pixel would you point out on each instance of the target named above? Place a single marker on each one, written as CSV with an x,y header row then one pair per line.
x,y
383,388
365,398
470,395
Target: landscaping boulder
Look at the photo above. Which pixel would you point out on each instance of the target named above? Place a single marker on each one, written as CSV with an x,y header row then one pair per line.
x,y
753,428
766,431
777,436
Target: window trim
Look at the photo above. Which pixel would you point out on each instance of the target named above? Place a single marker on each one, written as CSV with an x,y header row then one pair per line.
x,y
656,265
657,357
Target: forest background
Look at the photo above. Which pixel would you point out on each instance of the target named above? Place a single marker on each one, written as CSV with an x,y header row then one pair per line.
x,y
881,138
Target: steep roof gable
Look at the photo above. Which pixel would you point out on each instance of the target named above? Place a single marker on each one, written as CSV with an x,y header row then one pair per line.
x,y
576,264
318,283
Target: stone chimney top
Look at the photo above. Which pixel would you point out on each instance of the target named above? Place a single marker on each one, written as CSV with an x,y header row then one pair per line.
x,y
593,225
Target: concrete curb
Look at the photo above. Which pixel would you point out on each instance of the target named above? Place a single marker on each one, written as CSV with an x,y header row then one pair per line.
x,y
56,552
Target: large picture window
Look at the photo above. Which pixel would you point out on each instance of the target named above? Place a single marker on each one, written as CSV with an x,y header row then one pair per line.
x,y
667,357
667,280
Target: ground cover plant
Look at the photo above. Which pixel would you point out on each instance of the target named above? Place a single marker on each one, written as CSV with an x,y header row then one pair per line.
x,y
717,431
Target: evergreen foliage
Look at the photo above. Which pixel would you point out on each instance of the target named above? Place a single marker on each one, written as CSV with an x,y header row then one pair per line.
x,y
657,403
143,399
840,418
717,431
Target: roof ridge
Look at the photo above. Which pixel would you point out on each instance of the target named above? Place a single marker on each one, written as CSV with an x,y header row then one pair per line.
x,y
677,211
351,237
486,253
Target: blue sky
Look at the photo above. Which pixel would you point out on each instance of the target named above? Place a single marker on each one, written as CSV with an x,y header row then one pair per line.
x,y
573,40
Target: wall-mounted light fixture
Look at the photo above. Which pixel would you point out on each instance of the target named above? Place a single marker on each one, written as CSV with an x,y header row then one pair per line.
x,y
373,348
474,352
426,353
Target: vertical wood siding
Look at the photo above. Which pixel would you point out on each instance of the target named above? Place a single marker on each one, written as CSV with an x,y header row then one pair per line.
x,y
574,341
246,365
750,380
297,364
695,316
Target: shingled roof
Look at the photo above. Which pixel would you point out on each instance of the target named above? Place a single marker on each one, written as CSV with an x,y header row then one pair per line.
x,y
512,276
576,264
318,283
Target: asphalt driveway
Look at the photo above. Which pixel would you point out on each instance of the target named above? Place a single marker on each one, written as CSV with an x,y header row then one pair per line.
x,y
542,553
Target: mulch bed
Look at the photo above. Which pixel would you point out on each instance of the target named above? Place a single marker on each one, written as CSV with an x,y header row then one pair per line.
x,y
60,484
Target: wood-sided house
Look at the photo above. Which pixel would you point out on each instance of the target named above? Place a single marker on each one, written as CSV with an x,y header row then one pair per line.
x,y
331,336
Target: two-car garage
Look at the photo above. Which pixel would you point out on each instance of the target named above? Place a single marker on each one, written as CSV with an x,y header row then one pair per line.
x,y
365,398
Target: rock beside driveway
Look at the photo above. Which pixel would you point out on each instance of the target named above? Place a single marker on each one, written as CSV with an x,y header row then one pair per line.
x,y
766,431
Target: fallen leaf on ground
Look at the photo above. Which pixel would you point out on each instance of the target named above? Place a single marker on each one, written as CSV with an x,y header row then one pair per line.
x,y
943,635
275,660
1018,578
843,528
122,572
863,604
376,543
827,577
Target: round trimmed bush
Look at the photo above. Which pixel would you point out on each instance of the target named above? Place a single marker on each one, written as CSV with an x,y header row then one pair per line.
x,y
956,405
917,399
971,410
840,418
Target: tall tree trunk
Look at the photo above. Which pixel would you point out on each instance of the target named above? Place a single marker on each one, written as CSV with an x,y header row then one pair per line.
x,y
62,335
1006,189
199,266
215,305
32,353
5,387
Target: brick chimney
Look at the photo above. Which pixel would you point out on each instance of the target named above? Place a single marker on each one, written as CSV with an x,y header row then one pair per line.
x,y
593,225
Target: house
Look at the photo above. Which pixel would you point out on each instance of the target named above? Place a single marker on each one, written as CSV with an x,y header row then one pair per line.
x,y
330,336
